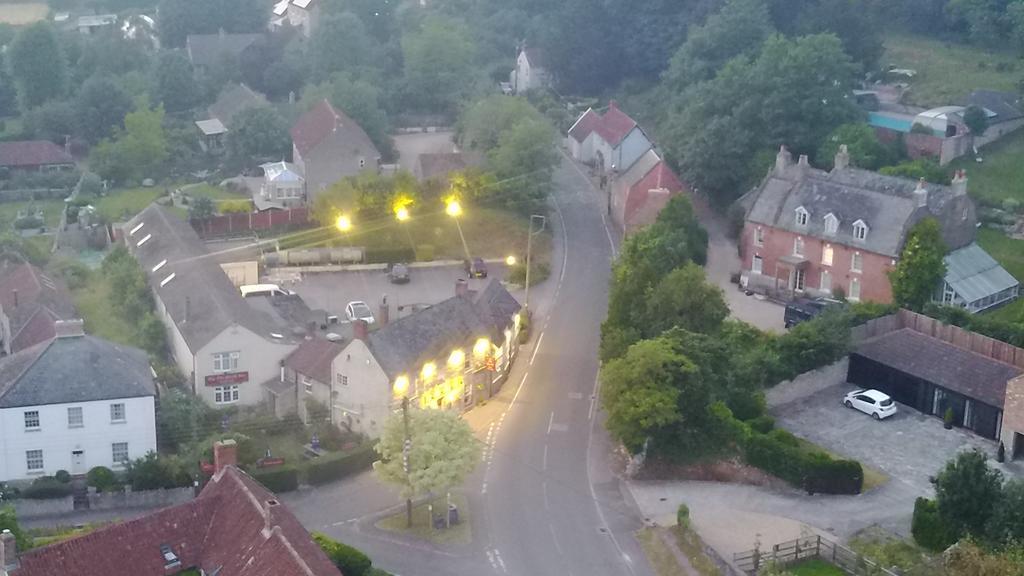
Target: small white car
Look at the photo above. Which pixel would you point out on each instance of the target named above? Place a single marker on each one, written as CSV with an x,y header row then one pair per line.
x,y
358,310
878,404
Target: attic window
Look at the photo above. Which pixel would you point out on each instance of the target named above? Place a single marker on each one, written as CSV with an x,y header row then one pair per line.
x,y
831,223
166,280
160,265
136,228
801,216
144,240
860,230
170,558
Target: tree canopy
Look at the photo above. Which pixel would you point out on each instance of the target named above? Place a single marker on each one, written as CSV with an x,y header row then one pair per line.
x,y
862,143
258,133
443,451
175,84
179,18
439,71
918,273
966,492
38,65
139,151
100,107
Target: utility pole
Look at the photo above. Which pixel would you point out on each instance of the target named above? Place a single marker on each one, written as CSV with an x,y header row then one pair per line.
x,y
529,250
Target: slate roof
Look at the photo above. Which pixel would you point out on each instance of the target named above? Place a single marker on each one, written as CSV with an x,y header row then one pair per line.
x,y
323,124
74,369
235,527
886,204
973,274
233,99
439,165
584,125
205,50
27,153
313,359
941,363
1005,105
214,303
42,300
456,322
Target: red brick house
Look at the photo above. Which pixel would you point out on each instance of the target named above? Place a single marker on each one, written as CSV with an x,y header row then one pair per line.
x,y
235,526
808,231
30,305
639,194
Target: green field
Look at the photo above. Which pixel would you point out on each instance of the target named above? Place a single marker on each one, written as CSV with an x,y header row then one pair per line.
x,y
121,204
215,193
814,568
947,73
51,212
93,304
1001,175
1010,254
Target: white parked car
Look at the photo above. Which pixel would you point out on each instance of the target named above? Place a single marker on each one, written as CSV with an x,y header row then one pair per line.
x,y
878,404
358,310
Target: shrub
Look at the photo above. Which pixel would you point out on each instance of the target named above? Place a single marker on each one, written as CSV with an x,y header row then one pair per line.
x,y
28,223
247,449
63,476
927,527
102,479
524,327
777,453
46,487
425,252
829,476
336,466
539,272
763,424
152,472
351,561
784,437
683,516
279,479
389,255
234,207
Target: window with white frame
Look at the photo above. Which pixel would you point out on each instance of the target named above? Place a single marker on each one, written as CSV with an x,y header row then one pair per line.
x,y
75,417
759,236
801,216
854,290
307,383
225,394
857,262
117,413
32,420
860,230
826,255
831,223
798,246
826,281
34,460
758,266
119,453
225,361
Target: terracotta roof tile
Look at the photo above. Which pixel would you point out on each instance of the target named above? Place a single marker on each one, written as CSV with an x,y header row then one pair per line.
x,y
41,301
585,125
313,358
615,125
32,153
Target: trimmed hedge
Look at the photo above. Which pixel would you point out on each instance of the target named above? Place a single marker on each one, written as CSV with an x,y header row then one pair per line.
x,y
389,255
102,479
777,454
351,561
280,479
336,466
927,527
46,487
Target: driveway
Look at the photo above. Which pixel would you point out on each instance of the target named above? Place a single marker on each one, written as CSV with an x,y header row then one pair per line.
x,y
410,146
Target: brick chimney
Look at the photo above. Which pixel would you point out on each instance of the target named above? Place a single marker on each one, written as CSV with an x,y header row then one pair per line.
x,y
783,160
8,552
360,329
461,287
921,194
69,328
959,183
225,453
842,160
384,313
613,105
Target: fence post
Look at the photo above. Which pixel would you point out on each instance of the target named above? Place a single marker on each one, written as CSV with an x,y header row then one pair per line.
x,y
775,553
834,546
817,547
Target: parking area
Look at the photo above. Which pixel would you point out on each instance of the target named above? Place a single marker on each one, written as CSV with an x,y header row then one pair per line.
x,y
909,446
331,291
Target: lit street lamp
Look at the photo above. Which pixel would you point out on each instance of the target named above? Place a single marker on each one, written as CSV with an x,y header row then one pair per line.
x,y
343,223
510,260
529,249
401,388
454,209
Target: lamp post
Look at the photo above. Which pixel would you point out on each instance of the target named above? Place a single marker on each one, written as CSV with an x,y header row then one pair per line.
x,y
401,387
454,209
529,249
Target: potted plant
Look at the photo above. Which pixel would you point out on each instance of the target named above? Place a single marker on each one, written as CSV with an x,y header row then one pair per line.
x,y
1001,453
947,418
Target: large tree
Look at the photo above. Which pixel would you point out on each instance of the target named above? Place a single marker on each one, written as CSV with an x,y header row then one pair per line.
x,y
482,124
685,299
38,65
139,151
258,133
918,273
439,71
100,108
1008,518
179,18
862,144
175,85
966,492
341,43
523,162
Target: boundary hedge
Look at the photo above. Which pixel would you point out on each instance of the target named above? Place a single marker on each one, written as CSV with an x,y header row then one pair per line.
x,y
815,472
337,466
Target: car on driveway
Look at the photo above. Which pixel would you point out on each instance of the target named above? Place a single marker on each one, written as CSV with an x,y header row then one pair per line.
x,y
358,310
804,309
878,404
476,268
399,274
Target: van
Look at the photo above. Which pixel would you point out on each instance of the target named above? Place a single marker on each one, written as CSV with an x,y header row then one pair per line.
x,y
263,290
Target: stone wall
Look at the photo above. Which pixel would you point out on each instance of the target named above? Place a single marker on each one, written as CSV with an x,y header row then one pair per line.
x,y
26,508
29,508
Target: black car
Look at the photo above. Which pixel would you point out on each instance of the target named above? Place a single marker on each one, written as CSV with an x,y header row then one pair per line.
x,y
399,274
804,309
475,268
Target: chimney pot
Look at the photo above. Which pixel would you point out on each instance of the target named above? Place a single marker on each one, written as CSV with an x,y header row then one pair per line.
x,y
8,552
461,287
783,160
225,453
360,329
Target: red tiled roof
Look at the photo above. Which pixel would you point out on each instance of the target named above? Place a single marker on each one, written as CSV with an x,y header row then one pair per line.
x,y
41,301
235,526
585,125
32,153
615,125
312,127
313,358
660,177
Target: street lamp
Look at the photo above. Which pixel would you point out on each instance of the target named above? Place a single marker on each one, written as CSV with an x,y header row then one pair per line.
x,y
529,250
510,260
454,209
402,213
401,388
343,223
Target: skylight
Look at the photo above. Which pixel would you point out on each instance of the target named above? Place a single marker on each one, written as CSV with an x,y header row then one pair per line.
x,y
136,228
160,265
144,240
166,280
170,558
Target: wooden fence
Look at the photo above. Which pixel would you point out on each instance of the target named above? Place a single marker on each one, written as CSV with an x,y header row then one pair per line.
x,y
226,225
809,548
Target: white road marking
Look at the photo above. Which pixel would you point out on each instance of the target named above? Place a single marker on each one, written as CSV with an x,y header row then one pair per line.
x,y
497,556
551,421
593,397
536,347
490,558
516,395
483,490
575,396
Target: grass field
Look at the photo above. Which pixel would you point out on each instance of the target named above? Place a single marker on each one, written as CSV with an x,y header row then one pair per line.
x,y
460,533
121,204
215,193
1001,175
93,303
947,73
51,212
814,568
1010,254
19,14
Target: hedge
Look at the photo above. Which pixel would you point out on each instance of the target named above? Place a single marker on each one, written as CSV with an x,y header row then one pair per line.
x,y
351,561
390,255
336,466
763,424
46,487
279,479
927,527
815,472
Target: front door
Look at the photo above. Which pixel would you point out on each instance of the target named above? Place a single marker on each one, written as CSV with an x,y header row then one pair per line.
x,y
78,462
798,280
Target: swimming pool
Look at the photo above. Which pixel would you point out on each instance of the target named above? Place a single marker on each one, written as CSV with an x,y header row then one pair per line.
x,y
891,122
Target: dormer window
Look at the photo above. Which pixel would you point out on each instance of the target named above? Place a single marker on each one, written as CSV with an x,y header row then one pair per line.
x,y
801,216
860,230
831,223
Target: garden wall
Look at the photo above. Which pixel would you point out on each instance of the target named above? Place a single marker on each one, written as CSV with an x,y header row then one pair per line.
x,y
26,508
29,508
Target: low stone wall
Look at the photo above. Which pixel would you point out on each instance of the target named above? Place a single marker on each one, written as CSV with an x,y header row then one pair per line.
x,y
807,384
145,499
26,508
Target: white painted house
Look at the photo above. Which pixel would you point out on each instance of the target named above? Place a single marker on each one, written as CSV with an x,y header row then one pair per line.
x,y
530,72
72,403
223,346
611,141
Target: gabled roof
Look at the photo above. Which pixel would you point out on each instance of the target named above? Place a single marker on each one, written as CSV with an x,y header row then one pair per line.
x,y
211,127
324,125
235,527
41,301
458,321
942,363
207,50
659,179
281,172
584,125
74,369
233,99
612,126
32,153
313,359
200,299
973,274
1004,106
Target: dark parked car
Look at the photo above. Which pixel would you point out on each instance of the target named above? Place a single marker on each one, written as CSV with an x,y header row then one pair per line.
x,y
399,274
476,268
804,309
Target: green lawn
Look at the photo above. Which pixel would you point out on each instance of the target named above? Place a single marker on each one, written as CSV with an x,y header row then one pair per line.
x,y
815,568
215,193
1001,175
121,204
460,533
93,303
1009,252
51,212
658,554
947,73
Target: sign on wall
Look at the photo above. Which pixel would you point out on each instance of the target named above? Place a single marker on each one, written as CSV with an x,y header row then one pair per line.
x,y
227,378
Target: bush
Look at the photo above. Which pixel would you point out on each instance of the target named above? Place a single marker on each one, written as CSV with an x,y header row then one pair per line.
x,y
776,454
425,252
927,527
102,479
763,424
350,561
683,516
827,475
279,479
63,476
234,207
152,472
336,466
28,223
524,327
46,487
539,272
389,255
784,437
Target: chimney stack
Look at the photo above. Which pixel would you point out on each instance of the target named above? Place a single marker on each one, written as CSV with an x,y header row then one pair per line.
x,y
461,287
842,160
959,183
360,329
384,314
225,453
69,328
783,160
8,552
921,194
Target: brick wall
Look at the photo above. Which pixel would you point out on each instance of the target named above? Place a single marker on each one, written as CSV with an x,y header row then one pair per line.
x,y
1013,416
